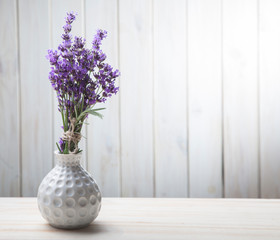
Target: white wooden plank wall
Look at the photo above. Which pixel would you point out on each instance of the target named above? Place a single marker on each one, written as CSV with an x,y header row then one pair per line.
x,y
103,143
198,109
269,72
36,124
205,98
136,51
170,94
240,98
9,101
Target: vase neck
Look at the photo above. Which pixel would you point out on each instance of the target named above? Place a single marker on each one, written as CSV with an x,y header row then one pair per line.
x,y
68,159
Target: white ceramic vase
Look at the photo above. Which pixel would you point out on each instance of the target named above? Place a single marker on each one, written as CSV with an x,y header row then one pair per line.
x,y
68,197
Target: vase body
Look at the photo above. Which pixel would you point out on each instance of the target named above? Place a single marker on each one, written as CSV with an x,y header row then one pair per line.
x,y
68,197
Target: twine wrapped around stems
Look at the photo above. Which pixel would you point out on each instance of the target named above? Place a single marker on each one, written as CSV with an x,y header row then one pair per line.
x,y
71,136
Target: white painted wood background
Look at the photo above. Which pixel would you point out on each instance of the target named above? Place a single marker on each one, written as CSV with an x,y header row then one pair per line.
x,y
198,114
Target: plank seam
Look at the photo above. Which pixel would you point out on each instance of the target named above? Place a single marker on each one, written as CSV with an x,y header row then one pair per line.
x,y
153,99
119,98
187,104
258,98
52,93
19,99
83,7
222,104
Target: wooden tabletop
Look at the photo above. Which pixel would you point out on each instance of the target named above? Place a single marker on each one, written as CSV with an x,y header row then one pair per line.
x,y
151,218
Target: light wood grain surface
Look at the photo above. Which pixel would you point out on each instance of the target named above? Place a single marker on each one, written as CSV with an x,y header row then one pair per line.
x,y
151,218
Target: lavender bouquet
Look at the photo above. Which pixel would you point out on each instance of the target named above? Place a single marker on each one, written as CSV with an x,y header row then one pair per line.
x,y
81,79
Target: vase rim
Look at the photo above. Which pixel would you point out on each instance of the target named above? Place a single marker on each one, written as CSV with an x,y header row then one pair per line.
x,y
68,159
69,154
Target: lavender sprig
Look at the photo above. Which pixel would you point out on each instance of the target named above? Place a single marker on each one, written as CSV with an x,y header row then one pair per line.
x,y
81,78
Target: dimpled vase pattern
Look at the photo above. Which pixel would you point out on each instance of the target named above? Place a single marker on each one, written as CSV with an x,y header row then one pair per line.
x,y
68,197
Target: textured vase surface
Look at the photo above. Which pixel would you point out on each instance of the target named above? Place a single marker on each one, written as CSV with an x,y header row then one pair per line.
x,y
68,197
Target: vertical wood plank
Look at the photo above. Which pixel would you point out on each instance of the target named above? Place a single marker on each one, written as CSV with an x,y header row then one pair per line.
x,y
36,95
240,42
270,98
170,62
59,10
205,98
9,102
103,135
136,63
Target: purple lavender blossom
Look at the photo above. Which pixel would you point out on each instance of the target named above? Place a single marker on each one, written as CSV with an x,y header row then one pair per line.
x,y
80,77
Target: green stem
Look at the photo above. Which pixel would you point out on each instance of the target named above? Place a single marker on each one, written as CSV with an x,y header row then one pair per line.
x,y
62,115
66,151
76,111
66,119
58,148
81,110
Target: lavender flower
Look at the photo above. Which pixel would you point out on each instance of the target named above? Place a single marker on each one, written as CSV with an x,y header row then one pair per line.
x,y
81,78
